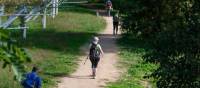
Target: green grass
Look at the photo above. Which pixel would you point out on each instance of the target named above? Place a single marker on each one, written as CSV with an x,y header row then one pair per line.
x,y
55,50
6,78
131,52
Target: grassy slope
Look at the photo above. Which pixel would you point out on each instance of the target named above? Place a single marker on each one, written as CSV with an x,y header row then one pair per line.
x,y
131,51
6,79
56,49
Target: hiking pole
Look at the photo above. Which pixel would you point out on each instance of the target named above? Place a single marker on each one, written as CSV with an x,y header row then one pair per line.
x,y
86,59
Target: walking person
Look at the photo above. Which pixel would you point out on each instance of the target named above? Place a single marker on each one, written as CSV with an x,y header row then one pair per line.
x,y
32,80
115,24
94,55
108,6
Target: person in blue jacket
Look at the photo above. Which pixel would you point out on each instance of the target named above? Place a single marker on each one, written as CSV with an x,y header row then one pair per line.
x,y
32,79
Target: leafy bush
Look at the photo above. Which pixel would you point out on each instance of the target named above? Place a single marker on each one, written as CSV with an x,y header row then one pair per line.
x,y
12,55
177,52
174,25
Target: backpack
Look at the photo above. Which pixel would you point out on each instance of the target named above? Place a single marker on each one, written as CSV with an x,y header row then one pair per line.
x,y
94,51
115,19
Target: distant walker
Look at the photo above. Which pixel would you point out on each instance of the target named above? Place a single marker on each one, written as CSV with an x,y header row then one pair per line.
x,y
115,24
108,6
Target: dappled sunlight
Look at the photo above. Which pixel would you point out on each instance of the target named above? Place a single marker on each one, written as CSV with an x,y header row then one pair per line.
x,y
55,50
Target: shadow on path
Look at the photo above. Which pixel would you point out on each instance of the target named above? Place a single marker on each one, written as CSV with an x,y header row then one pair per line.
x,y
62,41
80,77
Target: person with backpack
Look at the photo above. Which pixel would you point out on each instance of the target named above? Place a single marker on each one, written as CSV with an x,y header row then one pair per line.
x,y
115,24
108,6
94,54
32,80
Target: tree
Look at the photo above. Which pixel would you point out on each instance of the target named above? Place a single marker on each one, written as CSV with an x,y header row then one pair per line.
x,y
11,55
178,54
174,25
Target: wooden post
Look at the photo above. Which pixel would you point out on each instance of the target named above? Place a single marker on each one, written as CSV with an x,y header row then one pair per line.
x,y
23,23
24,32
44,20
53,8
97,12
56,7
108,12
1,13
44,16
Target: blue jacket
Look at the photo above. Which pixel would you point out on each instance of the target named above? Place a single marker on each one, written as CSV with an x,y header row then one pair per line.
x,y
32,81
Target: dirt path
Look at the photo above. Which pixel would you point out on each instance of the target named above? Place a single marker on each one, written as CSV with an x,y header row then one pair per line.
x,y
107,70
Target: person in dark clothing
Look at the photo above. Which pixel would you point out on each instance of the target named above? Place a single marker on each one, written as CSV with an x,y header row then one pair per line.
x,y
94,54
32,80
115,24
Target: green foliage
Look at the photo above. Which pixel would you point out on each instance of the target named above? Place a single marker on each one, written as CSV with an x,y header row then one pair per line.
x,y
177,52
131,51
174,25
148,17
140,16
12,55
7,78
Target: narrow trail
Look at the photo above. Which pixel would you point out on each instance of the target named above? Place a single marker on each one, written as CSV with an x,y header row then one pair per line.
x,y
107,69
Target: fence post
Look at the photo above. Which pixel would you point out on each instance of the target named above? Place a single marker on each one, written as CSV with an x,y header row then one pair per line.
x,y
23,23
53,8
56,1
1,12
44,15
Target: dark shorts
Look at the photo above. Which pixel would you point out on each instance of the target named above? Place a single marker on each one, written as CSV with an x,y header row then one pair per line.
x,y
94,61
115,23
